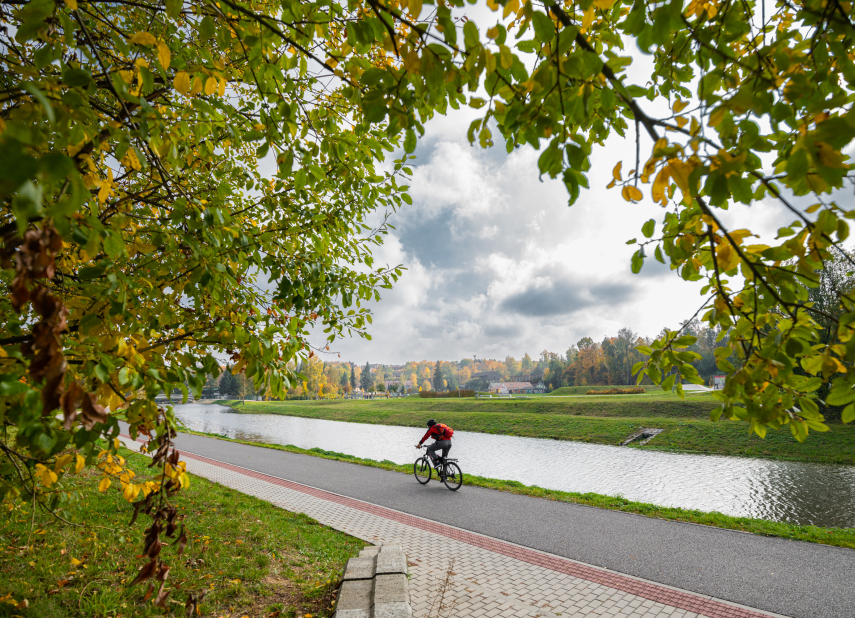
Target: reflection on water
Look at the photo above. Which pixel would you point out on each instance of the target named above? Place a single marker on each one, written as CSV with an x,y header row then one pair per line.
x,y
799,493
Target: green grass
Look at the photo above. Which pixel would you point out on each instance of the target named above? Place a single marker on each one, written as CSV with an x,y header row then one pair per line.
x,y
841,537
596,419
252,558
582,390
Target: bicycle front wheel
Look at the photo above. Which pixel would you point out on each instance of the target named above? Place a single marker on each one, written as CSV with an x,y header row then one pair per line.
x,y
422,470
453,476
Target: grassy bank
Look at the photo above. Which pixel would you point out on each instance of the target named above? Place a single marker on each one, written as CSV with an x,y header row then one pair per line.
x,y
842,537
582,390
623,406
601,420
252,558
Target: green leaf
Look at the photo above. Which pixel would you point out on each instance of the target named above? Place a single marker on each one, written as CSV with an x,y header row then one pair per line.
x,y
410,141
41,98
648,228
637,261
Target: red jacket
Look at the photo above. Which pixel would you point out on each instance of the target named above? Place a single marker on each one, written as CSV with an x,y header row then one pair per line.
x,y
440,431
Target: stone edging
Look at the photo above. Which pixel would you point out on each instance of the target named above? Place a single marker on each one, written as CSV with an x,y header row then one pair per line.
x,y
374,585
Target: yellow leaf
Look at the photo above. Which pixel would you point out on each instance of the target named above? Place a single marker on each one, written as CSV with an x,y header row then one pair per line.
x,y
62,461
604,4
588,18
164,55
756,248
75,562
415,8
506,58
493,33
716,117
182,82
104,485
210,85
828,156
130,492
726,257
615,175
694,130
490,61
72,4
412,63
222,90
144,38
197,85
660,186
679,106
681,121
632,194
494,6
79,464
3,352
739,235
680,171
511,7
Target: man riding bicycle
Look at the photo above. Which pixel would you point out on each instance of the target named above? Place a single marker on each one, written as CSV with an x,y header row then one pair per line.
x,y
441,433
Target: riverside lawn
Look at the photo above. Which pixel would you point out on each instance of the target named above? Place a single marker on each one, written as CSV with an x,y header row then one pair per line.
x,y
607,419
251,557
840,537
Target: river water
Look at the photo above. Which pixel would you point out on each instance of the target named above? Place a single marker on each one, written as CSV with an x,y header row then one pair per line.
x,y
798,493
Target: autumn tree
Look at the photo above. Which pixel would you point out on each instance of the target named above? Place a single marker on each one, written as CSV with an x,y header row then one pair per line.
x,y
437,376
135,221
135,217
512,366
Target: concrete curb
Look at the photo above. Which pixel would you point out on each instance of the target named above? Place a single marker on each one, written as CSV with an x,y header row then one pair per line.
x,y
374,585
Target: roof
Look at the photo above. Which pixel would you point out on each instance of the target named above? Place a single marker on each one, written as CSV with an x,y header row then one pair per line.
x,y
511,385
515,385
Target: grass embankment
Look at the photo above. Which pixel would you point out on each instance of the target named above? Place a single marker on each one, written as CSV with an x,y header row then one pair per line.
x,y
609,419
582,390
252,558
842,537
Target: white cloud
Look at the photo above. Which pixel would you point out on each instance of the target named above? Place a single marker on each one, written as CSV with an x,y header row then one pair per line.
x,y
499,264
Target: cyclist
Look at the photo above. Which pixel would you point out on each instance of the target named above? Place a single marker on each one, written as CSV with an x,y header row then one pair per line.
x,y
441,433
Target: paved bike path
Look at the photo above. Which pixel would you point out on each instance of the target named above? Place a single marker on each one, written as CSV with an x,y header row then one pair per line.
x,y
787,577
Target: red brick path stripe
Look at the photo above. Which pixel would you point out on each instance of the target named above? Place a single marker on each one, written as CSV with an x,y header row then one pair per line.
x,y
659,594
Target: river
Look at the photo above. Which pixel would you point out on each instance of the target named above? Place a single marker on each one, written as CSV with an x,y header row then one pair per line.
x,y
798,493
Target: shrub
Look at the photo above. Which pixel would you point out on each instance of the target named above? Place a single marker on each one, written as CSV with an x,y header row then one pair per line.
x,y
635,390
435,394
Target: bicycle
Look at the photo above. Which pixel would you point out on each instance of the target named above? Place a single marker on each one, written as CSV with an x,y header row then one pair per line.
x,y
448,470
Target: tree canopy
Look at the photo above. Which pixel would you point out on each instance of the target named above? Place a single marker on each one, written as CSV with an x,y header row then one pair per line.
x,y
187,181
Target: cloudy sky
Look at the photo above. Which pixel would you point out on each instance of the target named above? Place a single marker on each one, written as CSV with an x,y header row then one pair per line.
x,y
498,264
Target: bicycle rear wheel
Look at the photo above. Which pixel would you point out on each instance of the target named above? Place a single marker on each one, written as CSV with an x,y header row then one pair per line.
x,y
453,476
422,470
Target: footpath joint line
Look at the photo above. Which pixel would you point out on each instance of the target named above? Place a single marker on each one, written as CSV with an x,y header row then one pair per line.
x,y
689,603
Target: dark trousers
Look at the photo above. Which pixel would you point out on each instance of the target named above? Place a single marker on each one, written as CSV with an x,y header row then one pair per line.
x,y
445,445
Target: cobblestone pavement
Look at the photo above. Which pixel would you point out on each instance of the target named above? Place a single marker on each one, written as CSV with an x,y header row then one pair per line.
x,y
485,577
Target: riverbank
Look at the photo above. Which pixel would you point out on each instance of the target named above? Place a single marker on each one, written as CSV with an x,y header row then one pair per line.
x,y
595,419
251,557
841,537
